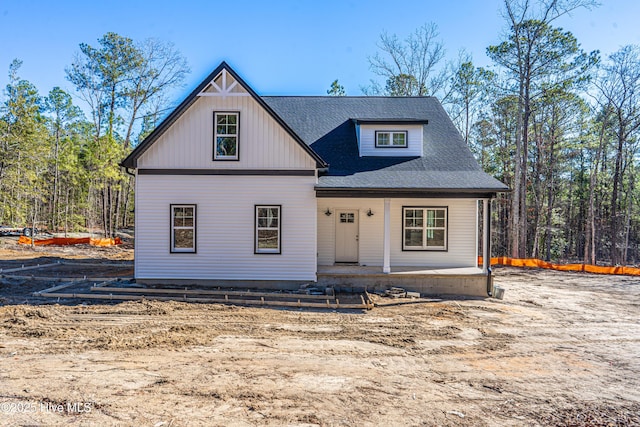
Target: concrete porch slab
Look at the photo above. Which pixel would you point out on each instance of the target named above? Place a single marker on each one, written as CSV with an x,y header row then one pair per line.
x,y
467,281
367,270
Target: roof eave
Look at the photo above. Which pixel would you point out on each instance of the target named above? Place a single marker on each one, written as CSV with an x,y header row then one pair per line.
x,y
408,192
390,121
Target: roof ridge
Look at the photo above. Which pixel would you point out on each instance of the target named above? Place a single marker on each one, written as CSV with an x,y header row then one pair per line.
x,y
349,96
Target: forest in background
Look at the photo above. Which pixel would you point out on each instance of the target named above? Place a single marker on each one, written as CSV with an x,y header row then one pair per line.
x,y
556,124
58,168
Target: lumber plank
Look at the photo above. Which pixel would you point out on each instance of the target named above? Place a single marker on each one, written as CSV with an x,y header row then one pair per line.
x,y
203,300
62,279
128,264
32,267
56,288
208,292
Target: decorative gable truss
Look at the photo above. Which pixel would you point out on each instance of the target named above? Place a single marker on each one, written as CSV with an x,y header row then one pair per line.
x,y
223,85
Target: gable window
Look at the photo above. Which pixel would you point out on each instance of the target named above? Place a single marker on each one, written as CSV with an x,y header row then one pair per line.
x,y
183,228
267,233
391,138
424,228
225,135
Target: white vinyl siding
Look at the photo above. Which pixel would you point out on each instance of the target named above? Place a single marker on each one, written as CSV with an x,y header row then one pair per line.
x,y
367,140
461,232
263,143
225,227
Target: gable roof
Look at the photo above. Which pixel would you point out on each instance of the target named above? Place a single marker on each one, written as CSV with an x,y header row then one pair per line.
x,y
325,127
132,159
328,123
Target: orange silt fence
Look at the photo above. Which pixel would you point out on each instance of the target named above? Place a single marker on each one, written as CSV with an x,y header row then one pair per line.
x,y
65,241
588,268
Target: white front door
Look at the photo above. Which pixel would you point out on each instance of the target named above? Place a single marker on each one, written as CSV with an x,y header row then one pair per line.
x,y
347,236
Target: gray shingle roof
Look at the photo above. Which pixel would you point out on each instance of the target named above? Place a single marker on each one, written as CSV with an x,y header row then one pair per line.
x,y
326,124
325,128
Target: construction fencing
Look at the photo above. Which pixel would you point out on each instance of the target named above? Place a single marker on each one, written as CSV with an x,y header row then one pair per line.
x,y
588,268
512,262
65,241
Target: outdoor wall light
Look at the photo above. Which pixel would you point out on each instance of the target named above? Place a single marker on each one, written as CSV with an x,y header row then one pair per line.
x,y
369,213
328,212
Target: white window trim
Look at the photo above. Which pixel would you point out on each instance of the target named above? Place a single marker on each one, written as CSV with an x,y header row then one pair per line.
x,y
172,248
425,228
391,133
277,250
216,135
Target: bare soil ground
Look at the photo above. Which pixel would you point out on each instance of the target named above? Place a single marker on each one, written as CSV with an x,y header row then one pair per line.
x,y
562,349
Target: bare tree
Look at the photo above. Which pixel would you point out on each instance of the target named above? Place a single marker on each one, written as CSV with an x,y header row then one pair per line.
x,y
410,66
161,68
469,86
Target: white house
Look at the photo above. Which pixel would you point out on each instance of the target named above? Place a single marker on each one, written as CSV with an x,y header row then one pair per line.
x,y
237,189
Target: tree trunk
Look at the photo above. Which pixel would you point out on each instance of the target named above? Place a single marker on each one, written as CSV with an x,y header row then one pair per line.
x,y
517,184
550,190
127,199
54,195
590,239
523,170
66,214
627,228
105,210
614,221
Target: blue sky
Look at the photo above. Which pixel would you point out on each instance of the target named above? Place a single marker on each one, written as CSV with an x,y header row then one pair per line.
x,y
279,47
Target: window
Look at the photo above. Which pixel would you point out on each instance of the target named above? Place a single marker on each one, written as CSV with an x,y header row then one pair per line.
x,y
267,230
183,228
424,228
225,136
392,139
348,218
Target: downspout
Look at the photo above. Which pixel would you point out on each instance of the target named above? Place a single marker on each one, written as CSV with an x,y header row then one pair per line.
x,y
487,242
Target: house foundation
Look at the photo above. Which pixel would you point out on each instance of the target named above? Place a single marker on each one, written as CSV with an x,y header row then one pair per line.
x,y
453,281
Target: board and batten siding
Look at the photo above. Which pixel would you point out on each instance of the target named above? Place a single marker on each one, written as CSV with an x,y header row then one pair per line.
x,y
462,232
225,227
263,143
367,140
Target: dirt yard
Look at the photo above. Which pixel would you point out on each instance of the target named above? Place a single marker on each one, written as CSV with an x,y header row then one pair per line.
x,y
561,349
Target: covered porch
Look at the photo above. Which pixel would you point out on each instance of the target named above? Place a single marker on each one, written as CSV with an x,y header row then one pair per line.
x,y
367,243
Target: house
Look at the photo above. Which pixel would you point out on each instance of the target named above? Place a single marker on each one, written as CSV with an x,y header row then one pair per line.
x,y
238,189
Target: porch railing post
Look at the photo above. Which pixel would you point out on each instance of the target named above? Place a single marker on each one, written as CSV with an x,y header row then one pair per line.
x,y
486,237
386,259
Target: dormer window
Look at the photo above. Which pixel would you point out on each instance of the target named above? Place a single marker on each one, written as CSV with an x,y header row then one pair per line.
x,y
225,138
393,139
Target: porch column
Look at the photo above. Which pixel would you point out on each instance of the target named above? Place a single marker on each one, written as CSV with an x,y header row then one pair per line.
x,y
486,235
386,257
